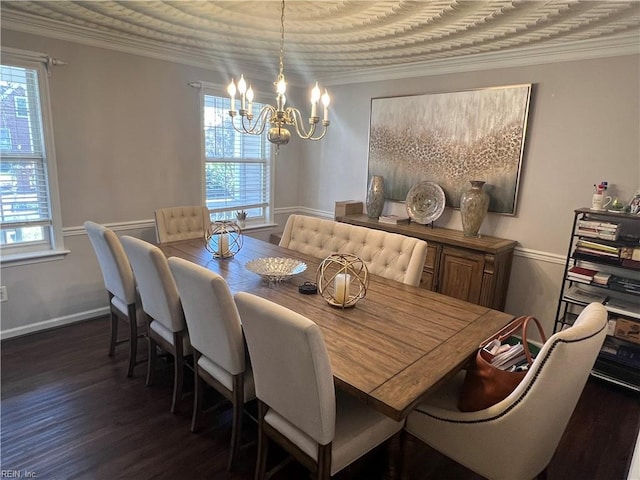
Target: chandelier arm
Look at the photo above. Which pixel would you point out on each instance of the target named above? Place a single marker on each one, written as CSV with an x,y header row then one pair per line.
x,y
301,130
259,124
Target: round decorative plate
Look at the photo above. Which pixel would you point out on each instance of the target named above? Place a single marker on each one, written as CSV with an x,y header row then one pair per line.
x,y
425,202
276,269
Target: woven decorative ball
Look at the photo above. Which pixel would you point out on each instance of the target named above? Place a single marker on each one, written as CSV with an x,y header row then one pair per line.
x,y
342,279
223,238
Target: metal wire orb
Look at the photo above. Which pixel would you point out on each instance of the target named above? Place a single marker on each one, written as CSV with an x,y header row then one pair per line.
x,y
223,238
342,279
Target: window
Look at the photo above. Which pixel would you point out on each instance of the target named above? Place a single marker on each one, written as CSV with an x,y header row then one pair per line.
x,y
237,167
27,168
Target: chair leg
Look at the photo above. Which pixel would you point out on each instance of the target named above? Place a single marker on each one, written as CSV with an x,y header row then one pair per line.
x,y
178,371
133,338
197,394
394,457
151,359
114,328
324,462
236,428
263,444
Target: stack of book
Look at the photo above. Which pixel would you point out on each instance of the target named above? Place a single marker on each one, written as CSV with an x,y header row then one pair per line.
x,y
595,229
393,219
597,249
626,285
579,295
621,352
581,274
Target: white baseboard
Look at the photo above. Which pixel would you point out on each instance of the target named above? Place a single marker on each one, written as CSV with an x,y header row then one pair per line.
x,y
53,323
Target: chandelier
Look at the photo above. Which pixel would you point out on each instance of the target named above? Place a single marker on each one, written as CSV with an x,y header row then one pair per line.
x,y
278,117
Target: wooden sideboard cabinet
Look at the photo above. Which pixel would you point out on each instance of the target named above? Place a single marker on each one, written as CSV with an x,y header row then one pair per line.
x,y
473,269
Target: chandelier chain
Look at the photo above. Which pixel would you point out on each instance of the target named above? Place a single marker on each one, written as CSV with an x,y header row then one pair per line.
x,y
282,42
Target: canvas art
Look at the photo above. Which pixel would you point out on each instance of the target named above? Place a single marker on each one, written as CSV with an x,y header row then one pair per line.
x,y
451,139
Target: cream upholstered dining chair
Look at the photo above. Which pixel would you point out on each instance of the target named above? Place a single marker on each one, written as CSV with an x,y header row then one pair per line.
x,y
181,223
386,254
220,356
516,438
161,304
121,285
298,406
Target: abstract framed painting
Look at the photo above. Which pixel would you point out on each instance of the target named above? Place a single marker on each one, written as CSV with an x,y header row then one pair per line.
x,y
451,139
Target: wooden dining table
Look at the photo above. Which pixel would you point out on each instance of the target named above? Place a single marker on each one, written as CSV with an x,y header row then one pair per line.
x,y
391,349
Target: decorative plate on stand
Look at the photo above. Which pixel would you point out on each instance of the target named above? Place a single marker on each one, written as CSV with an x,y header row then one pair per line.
x,y
425,202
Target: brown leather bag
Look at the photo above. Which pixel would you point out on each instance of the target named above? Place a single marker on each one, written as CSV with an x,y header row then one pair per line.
x,y
485,385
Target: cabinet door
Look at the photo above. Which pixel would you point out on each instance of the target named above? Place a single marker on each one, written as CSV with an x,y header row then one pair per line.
x,y
461,274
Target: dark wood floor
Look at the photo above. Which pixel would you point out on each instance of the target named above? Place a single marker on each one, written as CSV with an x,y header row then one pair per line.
x,y
70,412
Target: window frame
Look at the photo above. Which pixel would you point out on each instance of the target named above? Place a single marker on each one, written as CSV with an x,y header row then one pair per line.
x,y
216,90
52,247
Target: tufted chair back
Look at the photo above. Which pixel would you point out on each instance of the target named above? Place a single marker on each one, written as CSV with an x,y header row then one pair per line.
x,y
181,223
388,255
516,438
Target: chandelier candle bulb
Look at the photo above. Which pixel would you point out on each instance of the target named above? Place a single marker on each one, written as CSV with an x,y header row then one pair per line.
x,y
242,88
250,100
315,96
325,102
231,89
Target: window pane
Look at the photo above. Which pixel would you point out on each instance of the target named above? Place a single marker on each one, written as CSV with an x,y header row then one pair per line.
x,y
25,211
236,165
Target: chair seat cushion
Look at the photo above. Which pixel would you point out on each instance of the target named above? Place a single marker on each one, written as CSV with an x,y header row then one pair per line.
x,y
167,335
359,429
226,379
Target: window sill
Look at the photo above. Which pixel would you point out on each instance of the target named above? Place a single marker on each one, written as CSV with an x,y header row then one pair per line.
x,y
259,226
32,257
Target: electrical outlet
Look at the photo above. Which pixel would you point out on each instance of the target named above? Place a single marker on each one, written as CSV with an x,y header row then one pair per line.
x,y
4,297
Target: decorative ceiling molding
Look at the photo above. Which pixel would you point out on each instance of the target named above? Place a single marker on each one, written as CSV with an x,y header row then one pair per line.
x,y
342,41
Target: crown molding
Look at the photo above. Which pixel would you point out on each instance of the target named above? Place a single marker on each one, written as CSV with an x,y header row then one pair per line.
x,y
615,45
619,45
50,28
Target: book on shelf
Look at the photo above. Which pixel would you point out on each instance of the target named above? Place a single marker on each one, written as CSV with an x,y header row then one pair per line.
x,y
623,307
580,295
635,264
627,285
623,353
599,253
581,273
601,278
605,231
602,247
393,219
578,279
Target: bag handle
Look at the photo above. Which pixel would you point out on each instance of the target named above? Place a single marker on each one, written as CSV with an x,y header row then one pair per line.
x,y
519,324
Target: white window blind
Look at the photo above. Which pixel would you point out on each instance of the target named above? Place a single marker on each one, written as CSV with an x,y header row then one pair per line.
x,y
237,166
26,223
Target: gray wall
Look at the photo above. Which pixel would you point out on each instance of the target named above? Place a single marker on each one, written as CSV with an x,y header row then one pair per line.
x,y
127,141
